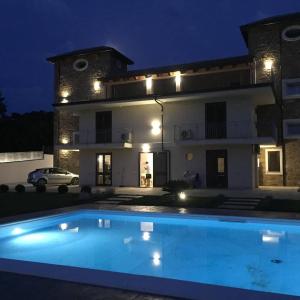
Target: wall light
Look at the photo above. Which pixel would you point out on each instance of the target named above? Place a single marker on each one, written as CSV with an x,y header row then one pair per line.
x,y
64,100
156,127
149,85
97,86
146,148
64,141
65,93
178,81
268,62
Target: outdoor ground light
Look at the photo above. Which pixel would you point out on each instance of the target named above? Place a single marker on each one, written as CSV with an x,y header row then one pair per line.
x,y
156,127
182,196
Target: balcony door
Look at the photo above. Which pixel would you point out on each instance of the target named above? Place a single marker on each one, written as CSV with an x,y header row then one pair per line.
x,y
216,169
215,120
104,169
103,127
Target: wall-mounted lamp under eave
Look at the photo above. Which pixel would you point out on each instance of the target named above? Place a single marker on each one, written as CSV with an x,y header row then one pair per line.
x,y
149,85
65,93
146,148
97,85
268,64
156,127
178,81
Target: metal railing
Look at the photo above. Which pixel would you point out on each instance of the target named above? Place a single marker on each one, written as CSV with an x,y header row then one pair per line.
x,y
221,130
104,136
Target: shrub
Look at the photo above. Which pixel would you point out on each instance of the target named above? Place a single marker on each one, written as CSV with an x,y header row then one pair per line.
x,y
4,188
62,189
175,186
86,189
20,188
40,188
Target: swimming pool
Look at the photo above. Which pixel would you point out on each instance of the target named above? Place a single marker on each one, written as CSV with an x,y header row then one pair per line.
x,y
171,252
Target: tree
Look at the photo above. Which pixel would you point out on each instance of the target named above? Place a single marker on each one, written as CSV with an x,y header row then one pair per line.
x,y
2,106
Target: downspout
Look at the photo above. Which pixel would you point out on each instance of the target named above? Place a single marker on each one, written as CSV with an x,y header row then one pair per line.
x,y
162,122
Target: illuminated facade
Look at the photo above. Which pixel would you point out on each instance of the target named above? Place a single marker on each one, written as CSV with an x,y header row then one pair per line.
x,y
235,121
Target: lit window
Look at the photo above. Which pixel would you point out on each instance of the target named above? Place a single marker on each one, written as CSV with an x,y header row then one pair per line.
x,y
292,128
291,88
274,161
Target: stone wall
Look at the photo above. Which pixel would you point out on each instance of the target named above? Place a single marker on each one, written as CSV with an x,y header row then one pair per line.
x,y
267,179
292,149
68,160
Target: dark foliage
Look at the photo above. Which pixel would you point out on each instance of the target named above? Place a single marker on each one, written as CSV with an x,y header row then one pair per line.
x,y
175,186
40,188
24,132
86,189
2,106
62,189
20,188
4,188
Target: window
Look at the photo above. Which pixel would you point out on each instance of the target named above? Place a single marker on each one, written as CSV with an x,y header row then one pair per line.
x,y
291,33
80,64
274,161
292,128
291,88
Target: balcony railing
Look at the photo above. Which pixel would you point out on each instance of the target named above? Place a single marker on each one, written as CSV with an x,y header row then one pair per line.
x,y
202,131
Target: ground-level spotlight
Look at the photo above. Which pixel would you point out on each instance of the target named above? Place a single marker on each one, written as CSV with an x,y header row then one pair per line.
x,y
182,196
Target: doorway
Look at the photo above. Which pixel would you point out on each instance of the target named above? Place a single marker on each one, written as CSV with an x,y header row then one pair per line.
x,y
104,169
216,169
146,169
153,169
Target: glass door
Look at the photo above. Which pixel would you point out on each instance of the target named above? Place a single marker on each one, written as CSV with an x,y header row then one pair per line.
x,y
104,169
146,169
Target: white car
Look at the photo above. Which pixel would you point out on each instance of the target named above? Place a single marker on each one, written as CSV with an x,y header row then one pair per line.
x,y
52,176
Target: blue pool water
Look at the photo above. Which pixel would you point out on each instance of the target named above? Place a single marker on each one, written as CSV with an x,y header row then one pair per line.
x,y
252,254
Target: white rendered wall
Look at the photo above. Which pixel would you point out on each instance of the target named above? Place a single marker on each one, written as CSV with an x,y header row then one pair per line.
x,y
17,172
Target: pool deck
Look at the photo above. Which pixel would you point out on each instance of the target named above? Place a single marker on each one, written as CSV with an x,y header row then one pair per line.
x,y
15,286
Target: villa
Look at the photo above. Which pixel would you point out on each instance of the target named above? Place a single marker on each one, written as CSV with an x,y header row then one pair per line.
x,y
234,121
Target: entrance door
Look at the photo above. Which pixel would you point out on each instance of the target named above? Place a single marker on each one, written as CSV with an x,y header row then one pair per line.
x,y
216,169
104,170
103,127
161,167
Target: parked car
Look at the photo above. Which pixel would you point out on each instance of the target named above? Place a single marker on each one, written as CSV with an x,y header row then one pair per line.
x,y
52,176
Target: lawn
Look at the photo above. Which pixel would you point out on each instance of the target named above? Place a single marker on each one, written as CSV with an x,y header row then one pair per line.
x,y
18,203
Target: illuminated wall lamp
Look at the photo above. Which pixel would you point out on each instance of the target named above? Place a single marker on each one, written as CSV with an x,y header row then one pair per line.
x,y
97,86
268,63
146,148
64,141
156,127
65,94
178,81
149,85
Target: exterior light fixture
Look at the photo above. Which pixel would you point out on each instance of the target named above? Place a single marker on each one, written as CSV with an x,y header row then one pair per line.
x,y
97,85
178,81
182,196
65,93
156,127
63,226
268,62
146,148
64,141
149,85
156,259
64,100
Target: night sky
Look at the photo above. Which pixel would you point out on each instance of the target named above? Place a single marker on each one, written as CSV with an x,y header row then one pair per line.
x,y
152,33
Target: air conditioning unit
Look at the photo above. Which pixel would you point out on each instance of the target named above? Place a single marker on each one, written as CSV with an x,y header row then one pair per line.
x,y
186,134
126,137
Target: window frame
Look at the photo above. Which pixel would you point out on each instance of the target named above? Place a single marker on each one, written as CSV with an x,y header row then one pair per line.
x,y
287,135
267,161
288,39
285,82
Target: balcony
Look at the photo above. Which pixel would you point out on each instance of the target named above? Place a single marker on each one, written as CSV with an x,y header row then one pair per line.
x,y
116,138
231,132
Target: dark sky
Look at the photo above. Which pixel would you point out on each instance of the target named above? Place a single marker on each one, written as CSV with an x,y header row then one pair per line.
x,y
151,32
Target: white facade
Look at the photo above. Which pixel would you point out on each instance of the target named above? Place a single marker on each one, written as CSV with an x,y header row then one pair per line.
x,y
184,113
